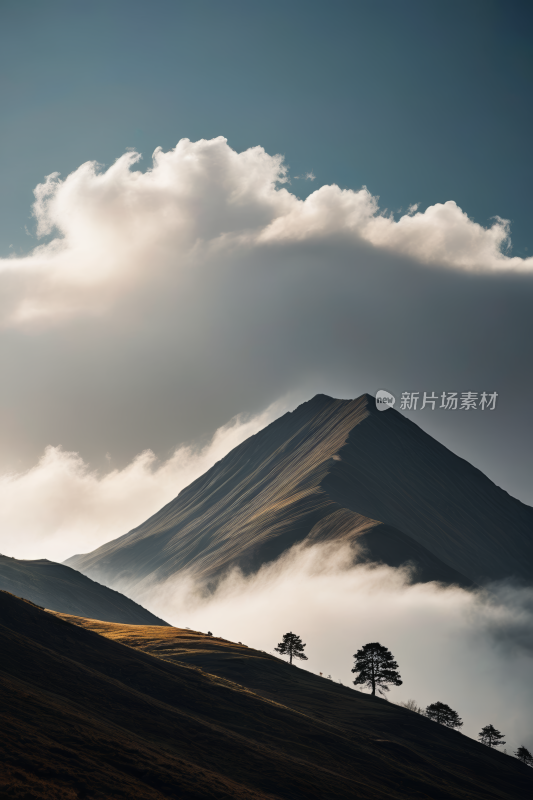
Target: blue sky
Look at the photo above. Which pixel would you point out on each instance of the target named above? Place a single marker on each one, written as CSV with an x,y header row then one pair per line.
x,y
422,102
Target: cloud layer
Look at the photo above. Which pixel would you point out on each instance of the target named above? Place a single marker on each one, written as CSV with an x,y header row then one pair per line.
x,y
119,226
473,651
162,303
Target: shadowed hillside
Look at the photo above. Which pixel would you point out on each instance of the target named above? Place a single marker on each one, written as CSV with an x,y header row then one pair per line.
x,y
61,588
331,470
86,715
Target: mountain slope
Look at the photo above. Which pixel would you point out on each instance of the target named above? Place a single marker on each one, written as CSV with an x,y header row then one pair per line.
x,y
121,723
61,588
332,470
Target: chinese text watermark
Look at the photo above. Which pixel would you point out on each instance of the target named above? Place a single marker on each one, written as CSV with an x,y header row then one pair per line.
x,y
449,401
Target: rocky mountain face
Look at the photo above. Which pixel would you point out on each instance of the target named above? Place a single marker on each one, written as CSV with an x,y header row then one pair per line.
x,y
332,470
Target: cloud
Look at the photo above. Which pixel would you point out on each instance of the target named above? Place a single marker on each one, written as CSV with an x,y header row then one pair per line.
x,y
61,506
119,226
160,303
471,650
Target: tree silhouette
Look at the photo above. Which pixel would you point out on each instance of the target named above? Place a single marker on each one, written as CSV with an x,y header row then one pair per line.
x,y
376,667
444,715
291,646
524,755
490,736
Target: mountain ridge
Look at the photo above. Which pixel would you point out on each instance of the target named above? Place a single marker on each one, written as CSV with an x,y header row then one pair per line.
x,y
337,470
60,588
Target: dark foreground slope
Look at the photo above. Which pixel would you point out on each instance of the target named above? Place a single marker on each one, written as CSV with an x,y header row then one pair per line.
x,y
87,716
61,588
331,470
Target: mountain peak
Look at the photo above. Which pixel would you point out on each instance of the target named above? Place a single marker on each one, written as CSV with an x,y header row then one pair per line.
x,y
332,470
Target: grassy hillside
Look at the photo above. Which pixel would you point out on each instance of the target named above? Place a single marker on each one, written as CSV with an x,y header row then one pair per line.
x,y
87,715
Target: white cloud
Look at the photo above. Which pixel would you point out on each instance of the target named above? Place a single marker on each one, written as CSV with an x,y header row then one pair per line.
x,y
118,229
61,506
471,650
166,301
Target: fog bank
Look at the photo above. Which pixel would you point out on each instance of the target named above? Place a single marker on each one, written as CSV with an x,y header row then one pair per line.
x,y
471,650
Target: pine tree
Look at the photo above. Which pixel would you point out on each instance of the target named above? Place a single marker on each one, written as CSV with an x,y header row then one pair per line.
x,y
524,755
376,668
490,736
444,715
291,646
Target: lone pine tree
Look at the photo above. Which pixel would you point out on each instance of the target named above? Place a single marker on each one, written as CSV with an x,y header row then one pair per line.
x,y
444,715
490,736
376,668
291,646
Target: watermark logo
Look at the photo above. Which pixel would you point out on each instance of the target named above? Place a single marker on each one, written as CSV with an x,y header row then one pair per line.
x,y
384,400
449,401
